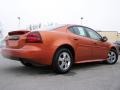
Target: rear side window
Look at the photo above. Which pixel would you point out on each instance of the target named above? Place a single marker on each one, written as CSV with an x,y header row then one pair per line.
x,y
78,31
82,31
72,30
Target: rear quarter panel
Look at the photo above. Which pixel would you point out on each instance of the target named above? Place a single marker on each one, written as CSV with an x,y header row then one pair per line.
x,y
54,39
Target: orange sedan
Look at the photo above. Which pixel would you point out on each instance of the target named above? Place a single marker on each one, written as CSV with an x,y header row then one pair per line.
x,y
59,46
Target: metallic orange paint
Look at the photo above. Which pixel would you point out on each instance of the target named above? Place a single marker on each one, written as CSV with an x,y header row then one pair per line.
x,y
85,49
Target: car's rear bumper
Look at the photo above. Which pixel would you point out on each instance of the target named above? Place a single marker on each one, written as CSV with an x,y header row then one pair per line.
x,y
32,53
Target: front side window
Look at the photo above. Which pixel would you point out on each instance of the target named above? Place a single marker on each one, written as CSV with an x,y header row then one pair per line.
x,y
93,34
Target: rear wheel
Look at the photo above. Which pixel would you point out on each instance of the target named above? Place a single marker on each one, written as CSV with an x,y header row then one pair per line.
x,y
62,60
112,57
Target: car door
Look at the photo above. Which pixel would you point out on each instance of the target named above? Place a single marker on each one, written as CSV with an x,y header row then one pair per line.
x,y
99,48
84,46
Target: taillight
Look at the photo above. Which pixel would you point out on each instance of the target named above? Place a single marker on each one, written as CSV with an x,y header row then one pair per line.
x,y
34,37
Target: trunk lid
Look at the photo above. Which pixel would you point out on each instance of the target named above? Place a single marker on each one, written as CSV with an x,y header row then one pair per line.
x,y
16,39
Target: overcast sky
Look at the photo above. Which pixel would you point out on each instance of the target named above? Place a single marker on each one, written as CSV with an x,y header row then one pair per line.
x,y
97,14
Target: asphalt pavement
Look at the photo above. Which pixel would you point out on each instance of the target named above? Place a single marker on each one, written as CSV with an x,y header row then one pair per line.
x,y
90,76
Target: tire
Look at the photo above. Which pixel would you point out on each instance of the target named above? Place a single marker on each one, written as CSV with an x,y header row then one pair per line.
x,y
62,61
27,64
112,57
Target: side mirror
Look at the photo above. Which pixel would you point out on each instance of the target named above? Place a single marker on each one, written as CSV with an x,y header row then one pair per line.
x,y
104,38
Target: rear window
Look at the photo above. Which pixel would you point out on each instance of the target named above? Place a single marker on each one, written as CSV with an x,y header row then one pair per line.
x,y
49,27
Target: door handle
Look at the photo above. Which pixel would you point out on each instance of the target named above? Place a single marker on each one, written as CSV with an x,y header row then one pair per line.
x,y
75,38
95,43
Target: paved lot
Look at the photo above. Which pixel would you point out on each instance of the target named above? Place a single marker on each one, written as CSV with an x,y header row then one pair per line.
x,y
92,76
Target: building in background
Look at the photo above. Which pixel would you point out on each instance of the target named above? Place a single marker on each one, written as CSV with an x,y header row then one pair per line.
x,y
111,35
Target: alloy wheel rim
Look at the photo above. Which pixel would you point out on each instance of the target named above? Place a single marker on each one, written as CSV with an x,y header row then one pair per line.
x,y
111,57
64,61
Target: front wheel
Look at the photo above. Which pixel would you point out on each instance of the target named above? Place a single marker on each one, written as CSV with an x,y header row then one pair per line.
x,y
62,60
112,57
